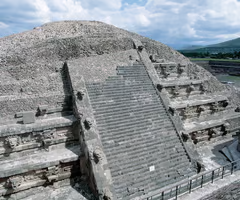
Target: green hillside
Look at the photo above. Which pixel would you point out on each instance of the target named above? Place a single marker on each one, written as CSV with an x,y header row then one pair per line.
x,y
230,43
230,46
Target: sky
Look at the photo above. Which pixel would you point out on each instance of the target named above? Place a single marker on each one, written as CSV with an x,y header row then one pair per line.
x,y
177,23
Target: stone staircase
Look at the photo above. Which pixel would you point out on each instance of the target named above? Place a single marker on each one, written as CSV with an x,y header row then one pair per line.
x,y
143,149
204,115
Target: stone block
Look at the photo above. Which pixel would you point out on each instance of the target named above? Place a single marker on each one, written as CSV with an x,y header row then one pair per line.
x,y
42,109
28,117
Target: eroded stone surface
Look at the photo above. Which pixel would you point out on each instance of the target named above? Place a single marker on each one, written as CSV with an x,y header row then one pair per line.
x,y
47,121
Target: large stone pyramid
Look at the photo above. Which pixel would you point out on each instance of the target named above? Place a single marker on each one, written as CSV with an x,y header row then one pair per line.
x,y
88,110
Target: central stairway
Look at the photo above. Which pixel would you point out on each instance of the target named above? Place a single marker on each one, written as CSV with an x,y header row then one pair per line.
x,y
143,149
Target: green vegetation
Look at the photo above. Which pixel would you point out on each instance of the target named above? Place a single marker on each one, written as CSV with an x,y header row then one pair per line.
x,y
234,55
224,48
213,59
229,43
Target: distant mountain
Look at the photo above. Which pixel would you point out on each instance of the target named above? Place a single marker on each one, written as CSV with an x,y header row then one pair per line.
x,y
192,47
223,47
229,43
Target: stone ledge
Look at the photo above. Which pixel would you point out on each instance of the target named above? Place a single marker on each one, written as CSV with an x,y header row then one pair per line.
x,y
180,83
31,96
12,129
196,102
216,121
37,161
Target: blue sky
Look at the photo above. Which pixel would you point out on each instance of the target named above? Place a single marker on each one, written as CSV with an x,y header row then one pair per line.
x,y
176,23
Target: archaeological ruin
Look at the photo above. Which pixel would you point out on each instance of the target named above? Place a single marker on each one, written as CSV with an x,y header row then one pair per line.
x,y
92,111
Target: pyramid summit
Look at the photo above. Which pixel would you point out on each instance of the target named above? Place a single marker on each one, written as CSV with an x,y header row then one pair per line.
x,y
92,111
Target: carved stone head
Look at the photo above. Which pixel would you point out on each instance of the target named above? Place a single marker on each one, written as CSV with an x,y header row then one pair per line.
x,y
14,182
88,123
80,95
140,48
190,88
106,194
12,142
97,155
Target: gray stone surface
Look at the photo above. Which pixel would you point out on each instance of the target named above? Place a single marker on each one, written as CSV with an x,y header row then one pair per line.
x,y
28,117
138,137
40,160
73,189
230,192
129,141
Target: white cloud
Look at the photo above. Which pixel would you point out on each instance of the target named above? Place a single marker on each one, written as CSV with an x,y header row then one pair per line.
x,y
169,21
3,25
42,10
144,21
103,4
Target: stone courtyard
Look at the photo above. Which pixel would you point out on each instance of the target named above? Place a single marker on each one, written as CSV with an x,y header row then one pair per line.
x,y
91,111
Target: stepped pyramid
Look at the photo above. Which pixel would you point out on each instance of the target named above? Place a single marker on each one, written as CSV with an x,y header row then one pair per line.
x,y
91,111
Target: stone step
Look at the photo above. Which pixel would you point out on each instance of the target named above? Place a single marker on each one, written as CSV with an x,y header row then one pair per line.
x,y
111,121
123,85
127,128
119,85
157,149
115,110
120,101
150,184
129,123
120,134
118,95
153,146
126,81
131,71
144,178
164,183
127,78
122,97
151,152
124,72
137,67
116,144
138,76
132,68
124,136
113,78
123,102
120,141
124,115
38,161
154,138
149,178
120,89
140,163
